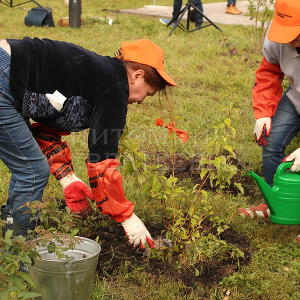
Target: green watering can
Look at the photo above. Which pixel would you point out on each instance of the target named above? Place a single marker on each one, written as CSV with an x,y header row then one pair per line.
x,y
283,198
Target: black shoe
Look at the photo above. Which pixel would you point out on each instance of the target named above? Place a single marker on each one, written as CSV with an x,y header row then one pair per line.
x,y
23,267
198,25
6,216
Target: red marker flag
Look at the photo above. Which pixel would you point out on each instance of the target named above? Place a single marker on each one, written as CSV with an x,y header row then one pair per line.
x,y
182,134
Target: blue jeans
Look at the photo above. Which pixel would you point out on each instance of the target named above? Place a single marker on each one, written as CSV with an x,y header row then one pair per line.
x,y
177,4
285,126
231,2
21,154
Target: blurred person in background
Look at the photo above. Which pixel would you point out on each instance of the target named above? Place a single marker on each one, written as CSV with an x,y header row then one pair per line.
x,y
231,8
195,17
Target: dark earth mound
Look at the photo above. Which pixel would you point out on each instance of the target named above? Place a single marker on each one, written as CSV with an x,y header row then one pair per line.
x,y
116,251
190,168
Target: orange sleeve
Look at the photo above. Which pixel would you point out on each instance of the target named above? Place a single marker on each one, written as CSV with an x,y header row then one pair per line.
x,y
56,151
107,188
267,90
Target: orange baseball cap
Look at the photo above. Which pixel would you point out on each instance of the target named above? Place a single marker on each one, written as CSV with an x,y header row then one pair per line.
x,y
148,53
285,26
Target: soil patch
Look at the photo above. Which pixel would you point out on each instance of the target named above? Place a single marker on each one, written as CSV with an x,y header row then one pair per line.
x,y
190,168
115,252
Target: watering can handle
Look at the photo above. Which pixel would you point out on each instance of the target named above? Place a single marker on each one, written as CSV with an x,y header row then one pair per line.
x,y
283,167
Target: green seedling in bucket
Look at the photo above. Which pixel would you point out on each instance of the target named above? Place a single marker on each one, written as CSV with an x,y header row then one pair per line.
x,y
283,198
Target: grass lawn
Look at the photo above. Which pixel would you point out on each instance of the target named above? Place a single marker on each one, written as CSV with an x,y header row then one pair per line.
x,y
215,72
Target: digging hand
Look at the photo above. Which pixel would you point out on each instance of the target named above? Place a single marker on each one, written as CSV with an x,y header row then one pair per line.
x,y
137,233
261,130
107,187
295,156
77,194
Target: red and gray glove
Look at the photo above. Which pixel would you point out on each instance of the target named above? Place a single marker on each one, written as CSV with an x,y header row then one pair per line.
x,y
106,184
77,195
295,156
261,130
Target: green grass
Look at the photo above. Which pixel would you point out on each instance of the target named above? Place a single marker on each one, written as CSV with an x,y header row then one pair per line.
x,y
209,79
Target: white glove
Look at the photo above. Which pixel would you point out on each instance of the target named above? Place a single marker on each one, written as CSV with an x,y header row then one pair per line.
x,y
137,232
57,100
296,157
67,180
262,128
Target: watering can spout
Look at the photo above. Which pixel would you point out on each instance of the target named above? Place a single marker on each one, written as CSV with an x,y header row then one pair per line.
x,y
264,187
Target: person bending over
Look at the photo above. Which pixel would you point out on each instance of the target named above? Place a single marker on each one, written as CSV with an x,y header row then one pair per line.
x,y
67,88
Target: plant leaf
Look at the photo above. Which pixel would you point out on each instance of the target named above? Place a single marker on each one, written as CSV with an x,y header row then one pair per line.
x,y
27,278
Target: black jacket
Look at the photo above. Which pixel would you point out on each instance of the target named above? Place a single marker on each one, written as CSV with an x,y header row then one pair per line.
x,y
43,66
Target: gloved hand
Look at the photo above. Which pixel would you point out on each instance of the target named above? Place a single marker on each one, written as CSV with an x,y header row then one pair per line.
x,y
137,232
261,130
106,184
77,194
296,157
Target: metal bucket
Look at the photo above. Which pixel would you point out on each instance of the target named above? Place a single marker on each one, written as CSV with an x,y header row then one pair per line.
x,y
59,278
